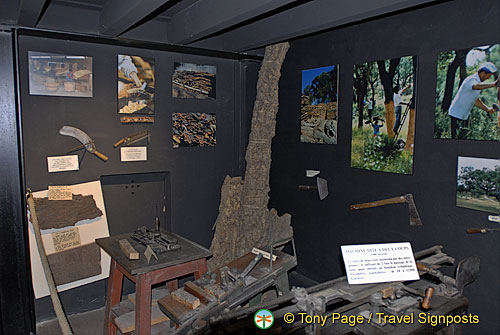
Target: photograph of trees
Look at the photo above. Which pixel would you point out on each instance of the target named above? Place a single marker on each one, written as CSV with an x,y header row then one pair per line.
x,y
383,115
453,68
478,184
318,112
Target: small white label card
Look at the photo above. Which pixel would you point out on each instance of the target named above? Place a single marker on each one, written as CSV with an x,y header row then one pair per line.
x,y
62,163
60,193
66,239
378,263
133,154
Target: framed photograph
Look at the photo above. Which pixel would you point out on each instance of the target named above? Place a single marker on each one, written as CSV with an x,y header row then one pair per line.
x,y
194,129
383,115
467,94
60,75
194,81
318,106
136,85
478,184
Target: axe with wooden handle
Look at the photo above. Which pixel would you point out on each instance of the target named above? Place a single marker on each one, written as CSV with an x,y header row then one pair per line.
x,y
407,198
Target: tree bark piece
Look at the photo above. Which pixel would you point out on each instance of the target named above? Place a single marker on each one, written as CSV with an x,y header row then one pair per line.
x,y
75,264
63,213
244,219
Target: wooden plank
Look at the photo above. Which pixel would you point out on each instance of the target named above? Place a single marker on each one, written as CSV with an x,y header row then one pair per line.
x,y
198,292
126,322
172,308
128,250
185,298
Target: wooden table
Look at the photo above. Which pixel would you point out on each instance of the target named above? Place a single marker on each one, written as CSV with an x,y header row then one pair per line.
x,y
191,259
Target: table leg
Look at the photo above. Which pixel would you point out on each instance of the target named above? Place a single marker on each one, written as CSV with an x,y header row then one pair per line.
x,y
115,282
201,267
143,305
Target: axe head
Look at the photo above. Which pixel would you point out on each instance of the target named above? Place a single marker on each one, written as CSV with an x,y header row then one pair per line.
x,y
322,187
414,217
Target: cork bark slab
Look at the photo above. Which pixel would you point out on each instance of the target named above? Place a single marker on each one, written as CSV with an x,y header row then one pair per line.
x,y
75,264
63,213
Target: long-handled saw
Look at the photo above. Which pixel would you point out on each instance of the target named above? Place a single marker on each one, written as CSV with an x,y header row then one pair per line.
x,y
84,139
407,198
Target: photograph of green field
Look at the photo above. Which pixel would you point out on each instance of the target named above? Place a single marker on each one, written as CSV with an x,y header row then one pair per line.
x,y
478,184
467,94
383,115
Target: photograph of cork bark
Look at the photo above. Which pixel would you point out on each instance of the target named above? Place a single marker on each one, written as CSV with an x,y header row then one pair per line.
x,y
468,94
383,115
194,81
194,129
136,85
60,75
318,111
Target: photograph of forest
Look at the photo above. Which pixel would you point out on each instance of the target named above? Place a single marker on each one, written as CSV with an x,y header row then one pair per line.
x,y
318,110
478,184
480,120
383,115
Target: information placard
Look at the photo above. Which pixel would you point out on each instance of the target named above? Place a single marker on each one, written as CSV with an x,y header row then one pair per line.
x,y
62,163
378,263
133,154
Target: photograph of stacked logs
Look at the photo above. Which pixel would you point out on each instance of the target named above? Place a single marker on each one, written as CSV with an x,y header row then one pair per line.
x,y
193,81
193,129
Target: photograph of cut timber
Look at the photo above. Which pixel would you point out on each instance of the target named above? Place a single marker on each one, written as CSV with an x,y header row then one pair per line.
x,y
194,129
60,75
478,184
136,85
194,81
318,105
383,115
468,94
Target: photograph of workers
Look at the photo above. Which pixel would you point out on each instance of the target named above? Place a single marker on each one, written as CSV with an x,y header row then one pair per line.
x,y
136,85
468,94
383,115
318,110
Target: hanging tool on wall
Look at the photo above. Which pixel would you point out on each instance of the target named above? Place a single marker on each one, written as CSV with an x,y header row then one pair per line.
x,y
321,186
134,138
407,198
85,140
481,230
61,317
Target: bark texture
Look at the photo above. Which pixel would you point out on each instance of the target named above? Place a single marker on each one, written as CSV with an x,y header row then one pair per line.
x,y
63,213
244,220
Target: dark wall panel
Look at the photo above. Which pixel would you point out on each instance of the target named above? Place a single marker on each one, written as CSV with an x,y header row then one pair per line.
x,y
195,174
321,227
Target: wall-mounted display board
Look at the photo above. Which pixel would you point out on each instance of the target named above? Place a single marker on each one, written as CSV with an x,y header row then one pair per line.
x,y
466,98
478,184
60,75
136,85
194,129
70,246
383,115
194,81
318,105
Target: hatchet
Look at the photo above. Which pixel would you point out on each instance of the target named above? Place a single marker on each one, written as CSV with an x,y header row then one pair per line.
x,y
321,186
84,139
407,198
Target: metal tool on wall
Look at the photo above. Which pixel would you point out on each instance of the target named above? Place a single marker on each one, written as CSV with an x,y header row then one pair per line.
x,y
481,230
85,140
321,186
134,138
407,198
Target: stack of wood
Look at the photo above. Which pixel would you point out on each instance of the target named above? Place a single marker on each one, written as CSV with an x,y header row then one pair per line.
x,y
199,81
